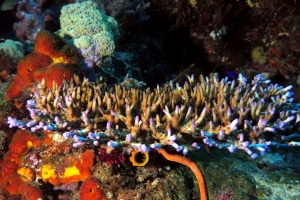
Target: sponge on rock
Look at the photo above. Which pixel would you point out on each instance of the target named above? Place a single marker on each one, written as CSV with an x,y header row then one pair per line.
x,y
92,190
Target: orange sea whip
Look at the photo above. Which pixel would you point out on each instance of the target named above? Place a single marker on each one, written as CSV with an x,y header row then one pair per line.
x,y
185,161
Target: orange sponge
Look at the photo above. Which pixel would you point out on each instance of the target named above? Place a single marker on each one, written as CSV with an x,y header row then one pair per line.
x,y
81,169
9,156
30,63
30,192
87,159
10,164
49,49
13,183
78,170
56,72
8,168
92,190
86,163
15,87
48,139
55,47
22,142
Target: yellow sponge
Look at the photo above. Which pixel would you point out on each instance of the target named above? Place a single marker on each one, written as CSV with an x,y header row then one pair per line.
x,y
47,172
71,171
139,159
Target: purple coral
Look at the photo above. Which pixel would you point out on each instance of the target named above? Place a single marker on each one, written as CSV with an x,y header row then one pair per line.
x,y
114,157
228,194
31,19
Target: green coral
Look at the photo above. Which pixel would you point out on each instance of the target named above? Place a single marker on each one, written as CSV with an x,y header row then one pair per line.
x,y
105,39
91,32
258,55
10,53
85,19
83,42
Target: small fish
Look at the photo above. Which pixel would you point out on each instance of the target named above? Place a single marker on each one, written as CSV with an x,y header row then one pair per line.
x,y
232,74
8,4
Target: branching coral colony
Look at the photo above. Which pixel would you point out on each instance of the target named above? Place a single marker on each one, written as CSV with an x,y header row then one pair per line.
x,y
225,114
